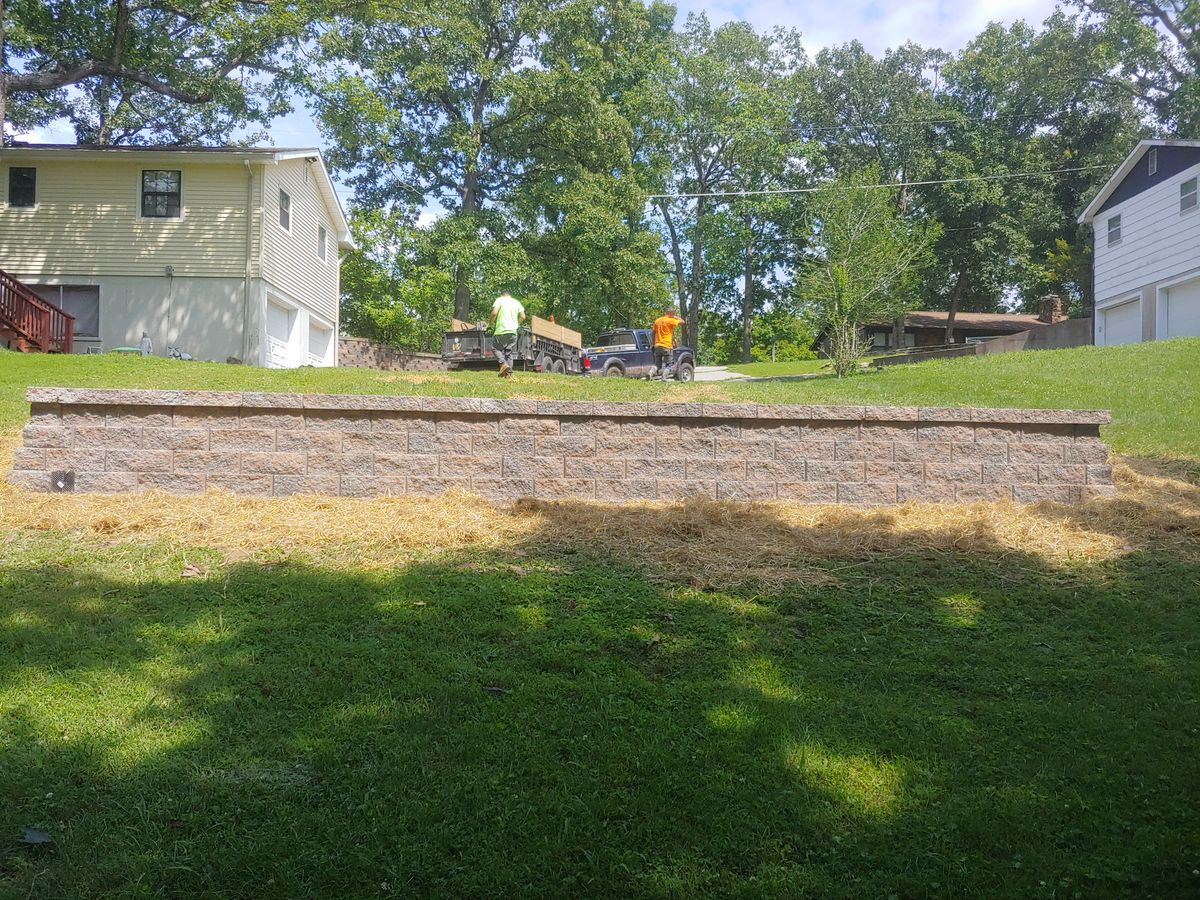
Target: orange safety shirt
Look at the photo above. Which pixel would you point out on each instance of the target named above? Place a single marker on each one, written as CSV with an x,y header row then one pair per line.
x,y
664,327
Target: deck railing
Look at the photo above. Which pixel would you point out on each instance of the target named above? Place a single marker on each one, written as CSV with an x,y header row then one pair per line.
x,y
38,323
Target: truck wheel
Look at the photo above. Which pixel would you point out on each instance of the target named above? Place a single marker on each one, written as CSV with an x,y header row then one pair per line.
x,y
558,367
685,372
614,371
542,363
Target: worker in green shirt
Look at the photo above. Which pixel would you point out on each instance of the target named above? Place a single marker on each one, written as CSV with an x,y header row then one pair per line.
x,y
507,315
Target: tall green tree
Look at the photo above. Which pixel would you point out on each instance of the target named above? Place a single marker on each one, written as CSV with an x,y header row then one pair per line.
x,y
158,62
729,98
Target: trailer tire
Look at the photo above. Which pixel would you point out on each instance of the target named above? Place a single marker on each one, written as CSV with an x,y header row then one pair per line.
x,y
685,371
542,363
558,367
614,371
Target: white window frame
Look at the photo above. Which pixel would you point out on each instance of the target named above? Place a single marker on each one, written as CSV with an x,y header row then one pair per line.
x,y
1114,233
182,196
37,189
322,242
1152,164
279,217
1185,194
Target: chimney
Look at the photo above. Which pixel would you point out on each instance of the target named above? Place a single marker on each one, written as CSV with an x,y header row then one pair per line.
x,y
1050,309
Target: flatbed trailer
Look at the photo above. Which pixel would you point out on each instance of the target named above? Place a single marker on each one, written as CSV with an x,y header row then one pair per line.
x,y
542,347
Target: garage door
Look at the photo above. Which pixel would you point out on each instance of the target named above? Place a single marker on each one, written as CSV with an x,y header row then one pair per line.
x,y
1121,324
280,324
1183,310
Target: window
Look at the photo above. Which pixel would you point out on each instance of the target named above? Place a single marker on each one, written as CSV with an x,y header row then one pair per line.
x,y
1153,163
80,301
1187,195
161,193
320,241
285,211
1114,230
22,187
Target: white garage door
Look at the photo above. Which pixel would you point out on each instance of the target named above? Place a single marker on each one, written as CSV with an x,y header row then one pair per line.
x,y
1183,310
319,339
280,324
1121,324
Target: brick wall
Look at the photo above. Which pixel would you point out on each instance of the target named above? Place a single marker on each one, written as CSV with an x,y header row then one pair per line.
x,y
362,353
366,446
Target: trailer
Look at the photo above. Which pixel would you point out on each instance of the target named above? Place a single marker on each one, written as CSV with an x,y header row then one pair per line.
x,y
542,347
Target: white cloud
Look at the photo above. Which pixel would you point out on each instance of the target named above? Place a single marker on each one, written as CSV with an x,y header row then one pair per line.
x,y
878,24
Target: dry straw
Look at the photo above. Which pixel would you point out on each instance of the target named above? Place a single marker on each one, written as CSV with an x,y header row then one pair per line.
x,y
699,542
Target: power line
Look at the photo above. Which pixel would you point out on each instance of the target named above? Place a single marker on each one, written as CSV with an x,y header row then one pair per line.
x,y
858,126
895,184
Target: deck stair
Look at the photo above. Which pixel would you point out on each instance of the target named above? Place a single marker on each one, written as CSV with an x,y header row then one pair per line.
x,y
29,324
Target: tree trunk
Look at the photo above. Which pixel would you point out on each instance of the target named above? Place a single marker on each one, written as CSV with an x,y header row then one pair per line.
x,y
692,314
748,293
676,256
960,286
898,333
462,288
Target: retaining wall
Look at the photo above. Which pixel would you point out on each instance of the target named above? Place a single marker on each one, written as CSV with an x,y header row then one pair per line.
x,y
367,446
363,353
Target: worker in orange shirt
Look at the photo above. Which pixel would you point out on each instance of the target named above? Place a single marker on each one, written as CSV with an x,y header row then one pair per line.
x,y
664,341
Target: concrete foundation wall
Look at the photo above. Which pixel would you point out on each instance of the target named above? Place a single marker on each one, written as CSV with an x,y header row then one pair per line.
x,y
368,446
1059,336
200,315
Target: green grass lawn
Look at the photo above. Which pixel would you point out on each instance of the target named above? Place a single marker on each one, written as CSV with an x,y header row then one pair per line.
x,y
1153,389
917,725
771,369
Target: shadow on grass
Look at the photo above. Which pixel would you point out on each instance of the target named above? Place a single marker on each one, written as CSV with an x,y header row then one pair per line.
x,y
552,723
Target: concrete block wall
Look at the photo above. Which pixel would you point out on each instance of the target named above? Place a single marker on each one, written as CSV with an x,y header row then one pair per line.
x,y
369,446
362,353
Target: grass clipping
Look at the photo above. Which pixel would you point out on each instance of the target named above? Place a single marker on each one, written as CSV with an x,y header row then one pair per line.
x,y
698,542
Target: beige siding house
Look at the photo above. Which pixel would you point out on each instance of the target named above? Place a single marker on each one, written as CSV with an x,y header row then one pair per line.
x,y
225,253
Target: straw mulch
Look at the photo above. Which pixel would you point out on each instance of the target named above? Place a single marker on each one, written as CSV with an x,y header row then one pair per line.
x,y
699,542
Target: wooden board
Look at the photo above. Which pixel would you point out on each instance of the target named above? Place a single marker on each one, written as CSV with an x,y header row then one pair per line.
x,y
555,332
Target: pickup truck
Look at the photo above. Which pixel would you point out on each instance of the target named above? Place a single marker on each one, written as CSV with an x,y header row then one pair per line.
x,y
629,353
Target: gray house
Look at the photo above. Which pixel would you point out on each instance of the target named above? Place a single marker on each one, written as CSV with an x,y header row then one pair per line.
x,y
1146,221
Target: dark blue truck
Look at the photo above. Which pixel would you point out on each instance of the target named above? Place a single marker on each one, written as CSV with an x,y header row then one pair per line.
x,y
628,353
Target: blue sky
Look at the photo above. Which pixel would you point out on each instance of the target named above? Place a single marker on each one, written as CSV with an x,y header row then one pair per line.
x,y
878,24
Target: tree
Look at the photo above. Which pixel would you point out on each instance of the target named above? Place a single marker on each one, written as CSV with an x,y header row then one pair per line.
x,y
157,61
392,290
1157,43
730,97
477,105
863,265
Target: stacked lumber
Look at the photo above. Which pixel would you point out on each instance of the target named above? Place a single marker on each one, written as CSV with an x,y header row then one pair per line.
x,y
555,332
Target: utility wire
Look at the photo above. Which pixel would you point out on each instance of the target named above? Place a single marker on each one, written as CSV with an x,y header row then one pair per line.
x,y
859,126
895,184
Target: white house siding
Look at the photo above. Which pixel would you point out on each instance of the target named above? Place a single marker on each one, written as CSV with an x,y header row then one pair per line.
x,y
87,220
1158,244
290,262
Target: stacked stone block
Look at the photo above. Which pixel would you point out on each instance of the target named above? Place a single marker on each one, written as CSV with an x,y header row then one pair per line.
x,y
371,446
362,353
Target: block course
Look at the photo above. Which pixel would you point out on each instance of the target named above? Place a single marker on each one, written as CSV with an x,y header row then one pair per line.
x,y
370,446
